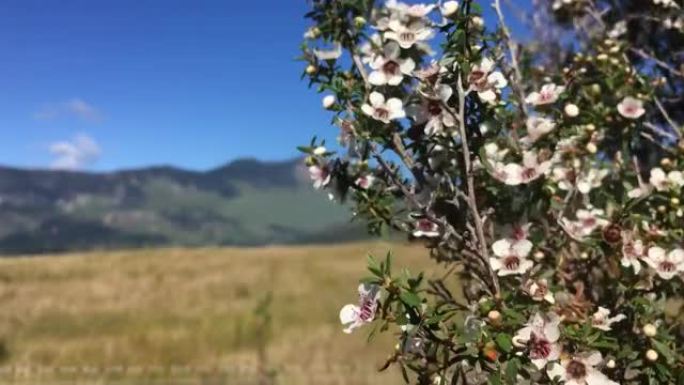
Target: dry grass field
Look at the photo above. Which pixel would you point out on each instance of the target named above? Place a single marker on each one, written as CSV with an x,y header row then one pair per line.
x,y
187,315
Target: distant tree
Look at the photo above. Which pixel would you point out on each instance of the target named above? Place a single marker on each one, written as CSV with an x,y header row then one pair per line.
x,y
546,176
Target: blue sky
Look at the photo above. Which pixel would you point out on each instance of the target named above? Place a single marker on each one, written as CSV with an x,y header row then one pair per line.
x,y
131,83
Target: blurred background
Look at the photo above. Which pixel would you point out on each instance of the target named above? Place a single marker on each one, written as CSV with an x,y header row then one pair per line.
x,y
157,223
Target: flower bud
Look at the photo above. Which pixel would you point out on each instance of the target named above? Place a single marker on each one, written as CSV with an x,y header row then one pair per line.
x,y
610,364
602,57
584,255
666,162
571,110
359,22
329,101
311,69
650,330
449,8
320,150
651,355
595,89
674,201
591,148
662,209
494,316
538,255
477,22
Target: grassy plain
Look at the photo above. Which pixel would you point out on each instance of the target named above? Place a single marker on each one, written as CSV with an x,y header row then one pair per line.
x,y
188,314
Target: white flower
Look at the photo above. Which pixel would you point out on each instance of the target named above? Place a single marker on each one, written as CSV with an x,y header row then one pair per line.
x,y
353,316
329,101
365,181
320,176
580,370
539,290
390,68
548,94
485,81
494,153
514,174
587,221
631,108
540,336
510,173
666,265
532,169
432,112
449,8
329,54
571,110
662,182
638,192
590,180
601,319
632,251
408,35
511,257
538,127
425,228
383,111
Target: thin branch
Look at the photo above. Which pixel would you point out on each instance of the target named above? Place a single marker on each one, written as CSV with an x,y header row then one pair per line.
x,y
658,62
471,198
513,50
667,117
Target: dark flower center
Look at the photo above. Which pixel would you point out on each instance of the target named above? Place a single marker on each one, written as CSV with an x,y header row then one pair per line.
x,y
667,266
529,173
576,369
434,108
539,347
367,312
425,225
511,262
407,36
612,234
382,113
391,67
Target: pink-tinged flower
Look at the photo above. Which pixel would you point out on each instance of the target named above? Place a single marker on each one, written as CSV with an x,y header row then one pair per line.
x,y
663,182
390,68
511,257
666,265
320,176
587,221
539,290
365,181
532,168
407,35
580,370
590,180
431,111
602,320
382,110
425,228
631,108
548,94
485,81
540,336
632,251
514,174
510,173
354,316
538,127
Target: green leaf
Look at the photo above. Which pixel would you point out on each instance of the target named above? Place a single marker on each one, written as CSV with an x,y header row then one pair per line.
x,y
504,341
512,369
664,350
410,298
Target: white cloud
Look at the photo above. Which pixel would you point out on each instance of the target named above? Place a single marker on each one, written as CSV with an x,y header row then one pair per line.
x,y
79,152
74,108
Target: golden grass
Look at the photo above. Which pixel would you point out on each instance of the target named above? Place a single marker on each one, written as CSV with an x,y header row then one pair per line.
x,y
194,308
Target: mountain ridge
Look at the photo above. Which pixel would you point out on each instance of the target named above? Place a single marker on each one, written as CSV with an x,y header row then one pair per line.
x,y
242,202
